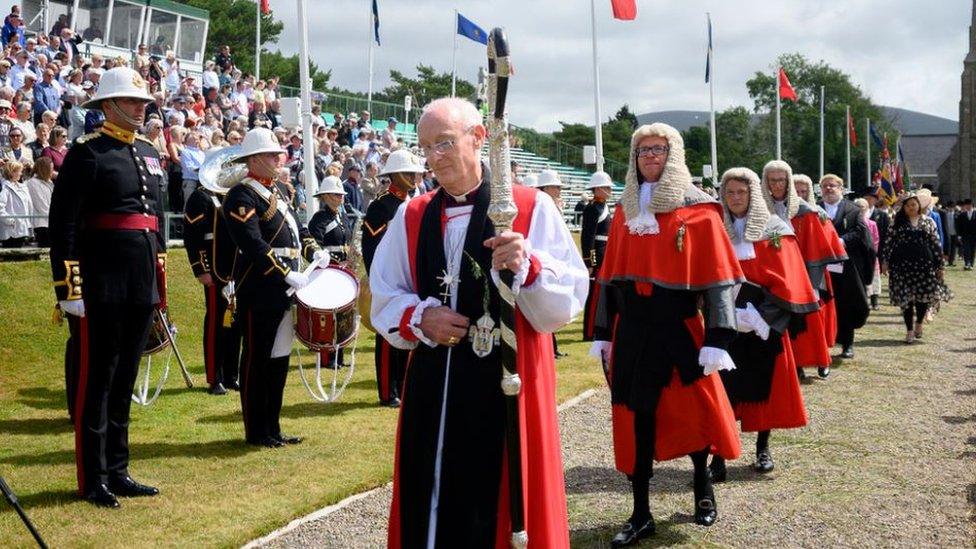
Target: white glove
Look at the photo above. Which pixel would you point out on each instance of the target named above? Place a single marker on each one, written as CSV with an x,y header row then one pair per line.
x,y
601,350
749,320
321,257
74,307
296,280
713,359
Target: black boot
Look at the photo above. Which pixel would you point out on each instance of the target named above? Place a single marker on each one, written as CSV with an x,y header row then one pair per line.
x,y
764,458
705,510
641,522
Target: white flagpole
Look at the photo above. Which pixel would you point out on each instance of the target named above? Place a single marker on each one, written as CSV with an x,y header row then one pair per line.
x,y
257,43
867,148
779,140
847,132
308,140
454,58
369,36
822,132
711,102
596,92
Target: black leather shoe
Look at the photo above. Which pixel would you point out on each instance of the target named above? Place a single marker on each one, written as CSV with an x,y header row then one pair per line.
x,y
823,372
101,496
392,403
705,510
233,386
848,352
631,534
764,461
217,389
267,442
560,354
717,471
128,488
288,439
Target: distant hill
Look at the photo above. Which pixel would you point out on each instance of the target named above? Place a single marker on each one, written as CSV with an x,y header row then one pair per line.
x,y
906,121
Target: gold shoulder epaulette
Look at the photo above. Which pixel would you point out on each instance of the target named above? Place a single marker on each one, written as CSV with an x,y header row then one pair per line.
x,y
88,137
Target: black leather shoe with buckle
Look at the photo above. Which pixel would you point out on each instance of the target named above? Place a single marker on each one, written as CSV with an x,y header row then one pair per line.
x,y
128,488
101,496
632,534
705,510
764,461
823,372
848,352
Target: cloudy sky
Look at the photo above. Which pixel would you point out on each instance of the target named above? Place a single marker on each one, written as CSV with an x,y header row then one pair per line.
x,y
902,53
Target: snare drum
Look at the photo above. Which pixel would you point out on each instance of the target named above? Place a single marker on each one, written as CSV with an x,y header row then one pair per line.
x,y
326,311
157,340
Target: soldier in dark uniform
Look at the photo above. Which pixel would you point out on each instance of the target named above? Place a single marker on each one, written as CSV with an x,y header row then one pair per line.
x,y
106,222
593,240
405,172
205,236
270,242
329,227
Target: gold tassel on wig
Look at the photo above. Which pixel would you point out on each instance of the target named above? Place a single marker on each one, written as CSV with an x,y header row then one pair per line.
x,y
679,239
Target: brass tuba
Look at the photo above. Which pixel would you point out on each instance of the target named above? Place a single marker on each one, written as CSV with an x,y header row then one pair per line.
x,y
219,171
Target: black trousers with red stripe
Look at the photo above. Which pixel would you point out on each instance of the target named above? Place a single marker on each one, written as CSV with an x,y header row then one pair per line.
x,y
108,364
221,344
262,377
391,368
72,360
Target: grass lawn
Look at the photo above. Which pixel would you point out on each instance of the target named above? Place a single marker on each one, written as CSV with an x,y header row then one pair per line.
x,y
216,491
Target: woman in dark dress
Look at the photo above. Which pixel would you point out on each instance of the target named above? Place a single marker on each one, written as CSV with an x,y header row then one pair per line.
x,y
915,265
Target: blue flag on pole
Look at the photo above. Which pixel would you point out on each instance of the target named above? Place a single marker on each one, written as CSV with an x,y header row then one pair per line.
x,y
708,59
465,27
376,23
876,138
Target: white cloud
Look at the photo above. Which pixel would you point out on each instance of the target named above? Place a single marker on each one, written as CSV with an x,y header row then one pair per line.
x,y
902,53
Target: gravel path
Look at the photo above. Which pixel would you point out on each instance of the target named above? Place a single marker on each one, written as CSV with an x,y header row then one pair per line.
x,y
889,459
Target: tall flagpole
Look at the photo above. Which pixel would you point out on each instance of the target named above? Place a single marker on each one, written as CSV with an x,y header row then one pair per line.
x,y
308,140
822,132
779,140
370,37
257,43
454,58
711,101
847,132
867,149
596,92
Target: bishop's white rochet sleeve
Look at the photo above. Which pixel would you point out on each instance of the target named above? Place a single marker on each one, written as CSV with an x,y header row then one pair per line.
x,y
391,284
558,293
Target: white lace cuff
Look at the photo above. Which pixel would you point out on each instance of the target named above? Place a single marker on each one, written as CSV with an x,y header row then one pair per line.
x,y
600,349
713,359
519,276
418,315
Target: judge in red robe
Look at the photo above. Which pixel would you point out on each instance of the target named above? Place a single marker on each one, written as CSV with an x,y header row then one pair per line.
x,y
812,334
764,389
667,250
433,282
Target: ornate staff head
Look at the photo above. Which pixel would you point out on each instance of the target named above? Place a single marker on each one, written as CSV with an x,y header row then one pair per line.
x,y
502,210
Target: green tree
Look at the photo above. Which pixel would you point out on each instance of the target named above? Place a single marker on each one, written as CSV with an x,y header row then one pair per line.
x,y
801,119
232,23
427,86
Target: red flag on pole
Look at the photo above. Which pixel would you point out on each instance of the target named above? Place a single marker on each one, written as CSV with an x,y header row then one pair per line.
x,y
624,9
266,6
786,90
851,130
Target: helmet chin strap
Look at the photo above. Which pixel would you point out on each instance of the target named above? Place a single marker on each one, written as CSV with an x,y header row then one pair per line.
x,y
110,103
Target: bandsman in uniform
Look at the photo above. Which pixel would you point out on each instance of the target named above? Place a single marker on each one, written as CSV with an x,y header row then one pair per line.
x,y
329,227
593,240
405,172
271,242
108,265
208,245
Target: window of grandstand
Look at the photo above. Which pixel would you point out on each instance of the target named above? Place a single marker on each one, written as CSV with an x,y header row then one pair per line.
x,y
91,19
126,19
162,32
191,39
58,14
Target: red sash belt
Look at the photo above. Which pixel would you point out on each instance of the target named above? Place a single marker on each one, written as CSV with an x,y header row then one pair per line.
x,y
122,222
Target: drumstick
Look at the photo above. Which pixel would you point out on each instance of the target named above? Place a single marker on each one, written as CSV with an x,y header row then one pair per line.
x,y
308,270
